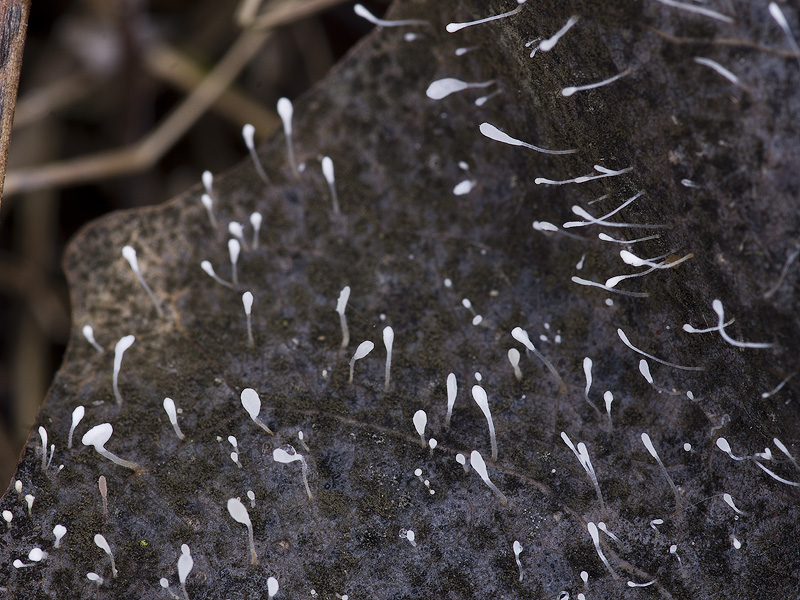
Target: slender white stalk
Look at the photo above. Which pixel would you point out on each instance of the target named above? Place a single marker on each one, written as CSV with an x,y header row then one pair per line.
x,y
122,345
363,349
59,531
591,220
341,304
247,302
365,14
255,221
785,450
208,204
43,436
587,371
286,112
388,342
102,543
283,456
780,19
712,64
441,88
98,436
248,132
239,513
582,454
583,178
234,248
130,255
569,91
209,270
513,358
523,338
185,564
729,501
327,171
589,283
452,389
698,10
595,534
453,27
627,342
493,133
420,420
608,238
482,400
88,333
651,449
172,414
236,230
477,462
251,402
551,42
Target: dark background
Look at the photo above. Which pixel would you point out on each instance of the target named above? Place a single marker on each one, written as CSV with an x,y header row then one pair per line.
x,y
86,88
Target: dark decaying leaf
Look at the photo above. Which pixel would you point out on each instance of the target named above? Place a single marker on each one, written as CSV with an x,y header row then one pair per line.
x,y
717,162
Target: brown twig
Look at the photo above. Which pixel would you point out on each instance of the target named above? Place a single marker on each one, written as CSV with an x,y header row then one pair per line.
x,y
12,40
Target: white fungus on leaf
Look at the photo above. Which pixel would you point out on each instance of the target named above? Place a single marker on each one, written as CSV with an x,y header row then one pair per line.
x,y
327,172
248,134
247,302
341,304
388,342
77,416
234,248
88,333
98,436
477,462
130,255
283,456
101,543
363,349
365,14
59,531
209,270
286,112
493,133
185,564
122,345
420,421
252,404
239,513
482,400
272,587
452,389
172,415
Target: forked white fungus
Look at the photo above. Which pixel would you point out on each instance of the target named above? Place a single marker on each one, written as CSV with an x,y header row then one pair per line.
x,y
569,91
420,421
122,345
388,342
482,400
247,302
185,564
98,436
101,543
651,449
627,342
453,27
239,513
77,415
209,270
327,171
517,551
584,178
272,587
341,304
452,389
477,462
365,14
551,42
363,349
248,133
282,456
88,333
286,112
234,248
59,531
720,310
513,358
130,255
172,414
441,88
252,404
588,283
582,454
494,133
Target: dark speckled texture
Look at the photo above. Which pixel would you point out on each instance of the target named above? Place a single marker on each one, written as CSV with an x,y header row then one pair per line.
x,y
402,233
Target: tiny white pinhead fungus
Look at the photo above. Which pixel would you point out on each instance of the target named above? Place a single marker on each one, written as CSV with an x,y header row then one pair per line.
x,y
477,462
482,400
88,333
77,415
272,587
248,133
517,551
58,532
420,421
327,171
234,248
101,543
209,270
130,255
185,564
513,358
208,204
286,111
172,414
283,456
255,221
388,341
247,302
341,304
98,436
452,390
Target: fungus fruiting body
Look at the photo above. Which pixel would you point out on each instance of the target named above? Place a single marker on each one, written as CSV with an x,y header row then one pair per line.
x,y
513,358
172,415
283,456
700,10
88,333
247,302
272,587
452,389
102,543
453,27
209,270
122,345
420,421
477,462
595,535
363,349
286,112
97,436
365,14
185,564
582,454
569,91
234,248
256,220
551,42
482,400
59,531
517,547
341,304
388,342
239,513
327,172
77,416
208,204
252,404
493,133
43,436
651,449
441,88
248,134
102,485
523,338
130,255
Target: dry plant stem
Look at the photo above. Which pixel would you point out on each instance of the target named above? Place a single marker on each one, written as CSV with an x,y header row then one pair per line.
x,y
12,41
145,153
289,11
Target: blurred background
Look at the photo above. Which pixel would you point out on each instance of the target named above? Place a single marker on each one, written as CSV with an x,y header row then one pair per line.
x,y
125,87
